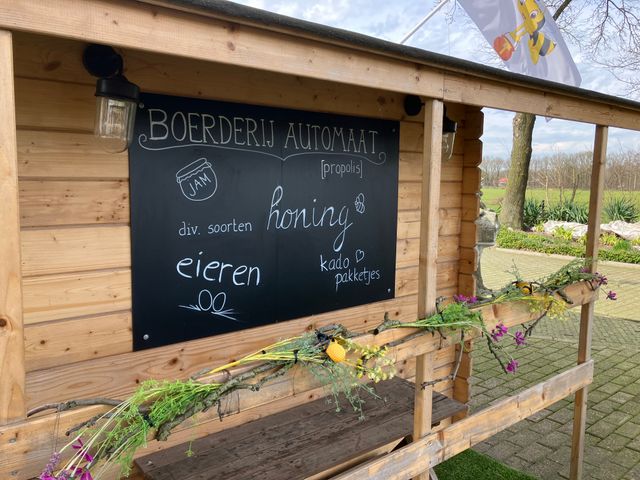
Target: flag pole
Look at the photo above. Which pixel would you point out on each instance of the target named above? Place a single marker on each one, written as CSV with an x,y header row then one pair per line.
x,y
423,21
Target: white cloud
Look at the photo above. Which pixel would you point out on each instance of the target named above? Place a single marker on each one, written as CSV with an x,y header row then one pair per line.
x,y
450,32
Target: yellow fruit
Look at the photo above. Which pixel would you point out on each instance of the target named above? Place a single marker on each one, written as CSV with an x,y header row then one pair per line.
x,y
336,352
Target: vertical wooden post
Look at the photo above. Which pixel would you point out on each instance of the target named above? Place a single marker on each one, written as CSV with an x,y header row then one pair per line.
x,y
12,374
586,314
469,135
427,272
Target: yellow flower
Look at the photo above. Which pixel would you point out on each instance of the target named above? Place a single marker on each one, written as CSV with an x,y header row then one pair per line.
x,y
525,287
336,352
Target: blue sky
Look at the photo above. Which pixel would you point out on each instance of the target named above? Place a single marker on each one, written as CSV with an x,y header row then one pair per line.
x,y
450,32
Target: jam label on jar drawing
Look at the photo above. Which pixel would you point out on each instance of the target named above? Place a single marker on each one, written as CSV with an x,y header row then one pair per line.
x,y
197,180
244,215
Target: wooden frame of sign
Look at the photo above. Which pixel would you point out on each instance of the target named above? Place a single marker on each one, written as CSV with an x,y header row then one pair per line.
x,y
65,263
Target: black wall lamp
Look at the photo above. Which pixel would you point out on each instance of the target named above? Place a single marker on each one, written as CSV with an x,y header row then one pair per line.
x,y
413,105
116,97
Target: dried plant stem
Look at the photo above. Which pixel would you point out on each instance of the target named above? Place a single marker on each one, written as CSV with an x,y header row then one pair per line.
x,y
71,404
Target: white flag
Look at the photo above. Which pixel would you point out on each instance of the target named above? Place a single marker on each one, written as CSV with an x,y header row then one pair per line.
x,y
524,34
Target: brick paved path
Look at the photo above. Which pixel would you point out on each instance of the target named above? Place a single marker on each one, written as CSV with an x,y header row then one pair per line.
x,y
541,444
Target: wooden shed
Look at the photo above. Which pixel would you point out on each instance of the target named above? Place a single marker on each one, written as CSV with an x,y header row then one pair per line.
x,y
74,228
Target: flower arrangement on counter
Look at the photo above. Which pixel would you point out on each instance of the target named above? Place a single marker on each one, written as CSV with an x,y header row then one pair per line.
x,y
545,297
157,407
331,354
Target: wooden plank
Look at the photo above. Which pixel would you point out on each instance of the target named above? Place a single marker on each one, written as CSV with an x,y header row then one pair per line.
x,y
427,275
470,207
61,250
55,297
466,284
409,222
297,443
47,58
586,314
47,154
411,167
472,128
470,180
54,105
409,461
468,234
409,195
60,343
462,385
120,374
64,202
63,342
473,151
12,374
28,444
158,29
411,136
114,376
74,249
485,92
468,260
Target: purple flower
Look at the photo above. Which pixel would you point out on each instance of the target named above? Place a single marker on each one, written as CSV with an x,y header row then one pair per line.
x,y
85,455
519,338
612,295
464,299
47,473
601,279
512,366
498,332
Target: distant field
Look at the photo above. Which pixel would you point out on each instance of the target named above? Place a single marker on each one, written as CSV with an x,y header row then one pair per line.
x,y
492,196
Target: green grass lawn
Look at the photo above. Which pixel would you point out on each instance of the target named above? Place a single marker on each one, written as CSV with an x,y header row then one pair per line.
x,y
492,196
471,465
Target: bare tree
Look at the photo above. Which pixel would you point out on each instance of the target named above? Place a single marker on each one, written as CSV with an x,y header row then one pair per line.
x,y
493,169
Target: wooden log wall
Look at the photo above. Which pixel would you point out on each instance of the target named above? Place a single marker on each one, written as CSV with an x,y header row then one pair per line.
x,y
74,216
471,175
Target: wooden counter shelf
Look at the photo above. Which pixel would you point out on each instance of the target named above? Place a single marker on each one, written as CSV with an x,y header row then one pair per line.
x,y
308,441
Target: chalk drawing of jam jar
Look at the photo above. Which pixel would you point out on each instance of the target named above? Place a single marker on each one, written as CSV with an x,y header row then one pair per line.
x,y
197,180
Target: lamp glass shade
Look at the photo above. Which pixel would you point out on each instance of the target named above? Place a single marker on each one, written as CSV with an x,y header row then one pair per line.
x,y
114,122
448,139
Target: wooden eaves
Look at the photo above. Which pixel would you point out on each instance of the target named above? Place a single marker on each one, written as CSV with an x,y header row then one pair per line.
x,y
222,32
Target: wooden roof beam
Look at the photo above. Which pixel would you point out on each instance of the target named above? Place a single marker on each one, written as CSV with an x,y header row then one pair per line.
x,y
170,31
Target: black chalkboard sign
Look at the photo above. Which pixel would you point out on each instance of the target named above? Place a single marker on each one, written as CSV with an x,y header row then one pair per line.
x,y
244,215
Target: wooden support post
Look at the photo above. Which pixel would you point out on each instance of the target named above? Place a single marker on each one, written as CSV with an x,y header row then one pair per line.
x,y
586,314
12,373
429,226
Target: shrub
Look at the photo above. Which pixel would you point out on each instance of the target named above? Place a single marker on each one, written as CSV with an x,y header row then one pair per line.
x,y
621,208
622,245
539,243
569,212
609,239
534,213
563,233
626,256
636,242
